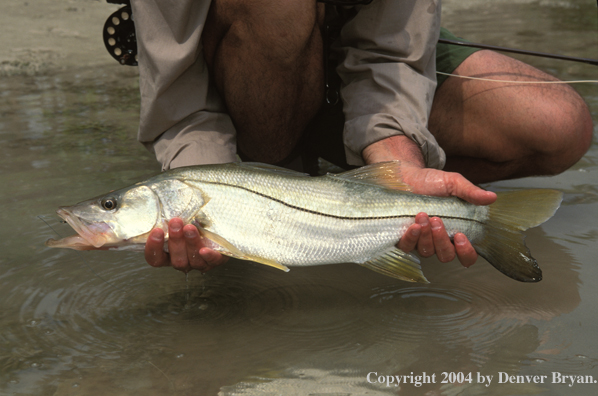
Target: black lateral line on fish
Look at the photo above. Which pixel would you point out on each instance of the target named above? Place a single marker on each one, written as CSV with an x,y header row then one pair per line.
x,y
339,217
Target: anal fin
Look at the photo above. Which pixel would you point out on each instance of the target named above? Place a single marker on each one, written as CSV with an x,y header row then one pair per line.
x,y
397,264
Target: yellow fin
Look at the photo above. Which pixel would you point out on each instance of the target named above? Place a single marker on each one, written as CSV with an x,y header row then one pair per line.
x,y
505,249
230,250
524,209
397,264
503,244
269,263
385,174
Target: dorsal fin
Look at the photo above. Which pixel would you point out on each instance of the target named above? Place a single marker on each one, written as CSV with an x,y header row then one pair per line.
x,y
385,174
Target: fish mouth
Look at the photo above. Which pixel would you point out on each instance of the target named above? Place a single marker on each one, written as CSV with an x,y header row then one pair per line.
x,y
89,235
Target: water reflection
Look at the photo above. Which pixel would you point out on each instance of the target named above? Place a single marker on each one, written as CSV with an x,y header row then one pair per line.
x,y
259,328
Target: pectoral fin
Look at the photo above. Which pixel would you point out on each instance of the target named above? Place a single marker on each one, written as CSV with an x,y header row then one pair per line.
x,y
229,249
397,264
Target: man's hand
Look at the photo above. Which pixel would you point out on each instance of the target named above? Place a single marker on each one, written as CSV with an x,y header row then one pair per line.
x,y
186,250
427,235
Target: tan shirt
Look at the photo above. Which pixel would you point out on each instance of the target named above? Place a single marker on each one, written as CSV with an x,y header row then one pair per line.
x,y
387,69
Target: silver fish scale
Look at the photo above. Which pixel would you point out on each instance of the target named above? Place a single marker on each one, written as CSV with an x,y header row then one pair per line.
x,y
298,220
329,194
262,227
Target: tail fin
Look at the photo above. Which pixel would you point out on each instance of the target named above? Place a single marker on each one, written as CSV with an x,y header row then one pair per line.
x,y
503,244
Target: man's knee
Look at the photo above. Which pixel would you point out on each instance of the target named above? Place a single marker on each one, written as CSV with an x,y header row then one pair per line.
x,y
546,128
280,29
570,134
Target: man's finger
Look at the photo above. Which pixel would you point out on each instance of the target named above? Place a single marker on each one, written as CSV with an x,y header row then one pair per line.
x,y
409,241
212,257
465,251
154,249
176,245
459,186
442,243
425,245
193,246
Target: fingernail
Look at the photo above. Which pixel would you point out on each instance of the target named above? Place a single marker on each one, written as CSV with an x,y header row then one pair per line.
x,y
460,239
189,234
175,227
156,236
422,222
435,224
415,232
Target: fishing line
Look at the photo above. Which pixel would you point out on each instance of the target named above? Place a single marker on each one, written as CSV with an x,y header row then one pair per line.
x,y
85,261
164,374
518,51
518,82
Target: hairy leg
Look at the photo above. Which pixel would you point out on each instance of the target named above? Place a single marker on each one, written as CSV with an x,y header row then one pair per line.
x,y
493,131
265,57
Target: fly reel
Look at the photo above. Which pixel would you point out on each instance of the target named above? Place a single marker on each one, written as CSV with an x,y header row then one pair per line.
x,y
119,36
119,30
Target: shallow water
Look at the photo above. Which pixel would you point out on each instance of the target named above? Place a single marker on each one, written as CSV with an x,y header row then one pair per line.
x,y
98,323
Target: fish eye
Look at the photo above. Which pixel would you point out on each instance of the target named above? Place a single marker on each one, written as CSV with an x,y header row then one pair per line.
x,y
108,203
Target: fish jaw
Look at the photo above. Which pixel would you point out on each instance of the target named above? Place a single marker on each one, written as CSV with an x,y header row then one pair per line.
x,y
74,242
90,235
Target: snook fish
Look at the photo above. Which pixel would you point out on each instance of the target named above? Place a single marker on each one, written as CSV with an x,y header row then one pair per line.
x,y
282,218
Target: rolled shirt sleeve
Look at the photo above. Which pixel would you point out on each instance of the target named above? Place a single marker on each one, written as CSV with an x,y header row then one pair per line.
x,y
388,75
183,120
